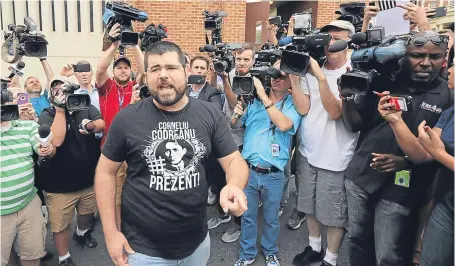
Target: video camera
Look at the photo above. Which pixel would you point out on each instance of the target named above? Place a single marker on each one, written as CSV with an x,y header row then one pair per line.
x,y
263,70
9,112
214,22
224,60
296,58
375,64
124,14
282,27
24,41
152,34
353,13
73,102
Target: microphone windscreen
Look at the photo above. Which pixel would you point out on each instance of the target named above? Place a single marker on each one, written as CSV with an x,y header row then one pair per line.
x,y
44,131
338,46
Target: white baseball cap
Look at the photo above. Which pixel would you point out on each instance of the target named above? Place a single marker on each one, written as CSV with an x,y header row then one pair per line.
x,y
340,24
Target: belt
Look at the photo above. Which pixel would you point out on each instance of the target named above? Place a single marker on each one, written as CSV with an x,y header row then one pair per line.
x,y
261,170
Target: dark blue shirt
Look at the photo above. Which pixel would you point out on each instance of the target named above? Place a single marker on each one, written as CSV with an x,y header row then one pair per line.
x,y
446,124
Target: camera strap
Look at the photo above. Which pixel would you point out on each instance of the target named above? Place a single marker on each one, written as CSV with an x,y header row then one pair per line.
x,y
5,49
273,126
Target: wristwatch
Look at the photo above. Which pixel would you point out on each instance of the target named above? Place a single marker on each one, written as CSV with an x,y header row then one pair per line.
x,y
42,59
268,106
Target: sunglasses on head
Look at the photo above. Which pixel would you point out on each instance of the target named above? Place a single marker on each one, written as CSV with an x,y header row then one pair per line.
x,y
421,40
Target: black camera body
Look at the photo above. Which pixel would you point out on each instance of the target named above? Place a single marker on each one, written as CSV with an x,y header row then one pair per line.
x,y
9,112
30,43
353,13
224,60
213,21
144,91
124,14
296,57
152,34
74,102
374,67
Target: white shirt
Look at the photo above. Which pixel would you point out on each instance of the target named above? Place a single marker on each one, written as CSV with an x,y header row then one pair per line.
x,y
327,144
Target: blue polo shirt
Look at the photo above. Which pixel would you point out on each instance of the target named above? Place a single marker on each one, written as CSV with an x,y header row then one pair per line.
x,y
40,103
259,137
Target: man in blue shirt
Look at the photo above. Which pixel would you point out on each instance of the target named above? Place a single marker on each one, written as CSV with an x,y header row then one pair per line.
x,y
33,86
269,121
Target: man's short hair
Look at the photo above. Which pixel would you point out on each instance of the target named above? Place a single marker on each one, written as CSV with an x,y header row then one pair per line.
x,y
246,46
200,57
162,47
187,55
25,83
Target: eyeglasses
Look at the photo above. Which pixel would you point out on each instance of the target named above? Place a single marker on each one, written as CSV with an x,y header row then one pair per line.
x,y
169,68
421,40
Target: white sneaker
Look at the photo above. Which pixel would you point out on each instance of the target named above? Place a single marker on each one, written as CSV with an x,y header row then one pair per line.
x,y
216,221
272,260
242,262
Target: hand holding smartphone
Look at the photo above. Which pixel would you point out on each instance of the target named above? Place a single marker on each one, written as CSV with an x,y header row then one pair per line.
x,y
399,103
22,98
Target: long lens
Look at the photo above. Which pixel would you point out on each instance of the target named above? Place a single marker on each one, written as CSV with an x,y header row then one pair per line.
x,y
78,102
220,66
129,37
295,63
35,49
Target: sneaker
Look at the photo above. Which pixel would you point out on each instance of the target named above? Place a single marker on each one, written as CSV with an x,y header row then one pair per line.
x,y
260,203
86,240
232,234
325,263
242,262
272,260
212,198
66,262
296,220
308,256
280,211
216,221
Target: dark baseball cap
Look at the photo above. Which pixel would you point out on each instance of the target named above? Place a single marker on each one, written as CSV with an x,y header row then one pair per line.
x,y
122,59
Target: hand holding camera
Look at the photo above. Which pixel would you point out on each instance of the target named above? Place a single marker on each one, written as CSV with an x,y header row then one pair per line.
x,y
259,88
114,33
87,127
67,70
315,69
370,12
136,94
26,112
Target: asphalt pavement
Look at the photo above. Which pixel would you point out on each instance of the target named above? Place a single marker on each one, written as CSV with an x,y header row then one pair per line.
x,y
291,242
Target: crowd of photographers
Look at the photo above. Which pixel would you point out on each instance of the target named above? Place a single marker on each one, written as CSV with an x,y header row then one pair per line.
x,y
368,142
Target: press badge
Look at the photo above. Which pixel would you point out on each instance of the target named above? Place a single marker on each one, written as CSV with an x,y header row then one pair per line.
x,y
403,178
275,149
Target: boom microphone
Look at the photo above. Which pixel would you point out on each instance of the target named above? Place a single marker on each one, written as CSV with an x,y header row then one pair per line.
x,y
338,46
359,38
16,70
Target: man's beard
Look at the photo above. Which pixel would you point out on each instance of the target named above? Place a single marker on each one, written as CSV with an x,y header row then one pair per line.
x,y
169,101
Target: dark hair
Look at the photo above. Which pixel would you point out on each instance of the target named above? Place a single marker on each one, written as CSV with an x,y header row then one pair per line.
x,y
200,57
246,46
187,55
162,47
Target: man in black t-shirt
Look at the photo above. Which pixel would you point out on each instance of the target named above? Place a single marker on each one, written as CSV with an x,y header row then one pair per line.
x,y
380,197
68,181
164,207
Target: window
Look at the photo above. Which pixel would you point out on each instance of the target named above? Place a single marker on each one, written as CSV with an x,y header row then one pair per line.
x,y
258,31
91,16
79,15
433,4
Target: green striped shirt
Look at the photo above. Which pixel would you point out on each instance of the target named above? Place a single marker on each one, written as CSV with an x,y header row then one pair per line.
x,y
17,175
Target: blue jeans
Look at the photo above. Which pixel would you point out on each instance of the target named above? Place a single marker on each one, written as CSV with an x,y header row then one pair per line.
x,y
437,246
377,229
200,257
268,188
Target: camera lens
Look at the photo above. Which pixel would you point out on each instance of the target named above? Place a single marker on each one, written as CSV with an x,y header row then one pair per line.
x,y
220,66
75,102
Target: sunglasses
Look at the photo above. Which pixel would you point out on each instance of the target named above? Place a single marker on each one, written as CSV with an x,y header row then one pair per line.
x,y
421,40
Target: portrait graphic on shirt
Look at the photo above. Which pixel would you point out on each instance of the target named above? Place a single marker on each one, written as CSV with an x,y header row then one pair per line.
x,y
172,155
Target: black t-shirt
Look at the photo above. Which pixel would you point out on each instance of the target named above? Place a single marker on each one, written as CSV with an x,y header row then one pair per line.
x,y
73,166
377,136
164,199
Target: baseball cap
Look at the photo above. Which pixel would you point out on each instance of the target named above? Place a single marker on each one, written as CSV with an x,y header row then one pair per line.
x,y
60,79
340,24
122,59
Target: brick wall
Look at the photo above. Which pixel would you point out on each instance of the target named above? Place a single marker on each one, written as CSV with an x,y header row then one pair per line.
x,y
185,24
326,11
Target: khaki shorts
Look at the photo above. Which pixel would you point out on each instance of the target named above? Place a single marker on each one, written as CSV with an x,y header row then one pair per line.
x,y
120,181
26,228
61,207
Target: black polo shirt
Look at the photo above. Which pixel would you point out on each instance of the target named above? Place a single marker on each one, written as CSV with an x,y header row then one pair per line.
x,y
377,136
73,167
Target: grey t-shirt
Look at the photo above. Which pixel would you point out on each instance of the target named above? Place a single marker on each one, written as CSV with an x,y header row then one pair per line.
x,y
237,133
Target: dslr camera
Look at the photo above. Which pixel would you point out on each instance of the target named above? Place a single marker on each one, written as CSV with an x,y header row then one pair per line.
x,y
296,58
263,70
124,14
152,34
29,42
375,64
73,102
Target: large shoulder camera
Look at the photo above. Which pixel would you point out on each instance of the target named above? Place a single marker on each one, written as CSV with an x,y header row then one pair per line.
x,y
73,102
353,13
23,40
296,58
262,69
223,60
376,63
213,21
124,14
152,34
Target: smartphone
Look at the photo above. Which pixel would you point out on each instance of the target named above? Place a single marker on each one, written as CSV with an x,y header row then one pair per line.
x,y
81,68
439,12
22,98
384,4
275,21
401,103
196,79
